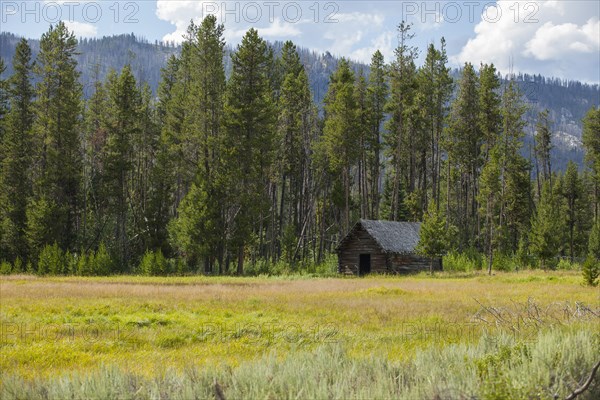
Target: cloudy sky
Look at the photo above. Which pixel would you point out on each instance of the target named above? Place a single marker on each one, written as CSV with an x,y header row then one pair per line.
x,y
550,37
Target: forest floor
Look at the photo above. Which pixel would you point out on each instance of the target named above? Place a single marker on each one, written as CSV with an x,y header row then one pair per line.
x,y
54,326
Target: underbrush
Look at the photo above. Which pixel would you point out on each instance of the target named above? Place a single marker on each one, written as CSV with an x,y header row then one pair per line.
x,y
326,268
53,261
551,365
472,260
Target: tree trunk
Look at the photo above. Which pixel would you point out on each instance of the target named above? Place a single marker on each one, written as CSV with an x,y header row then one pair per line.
x,y
240,264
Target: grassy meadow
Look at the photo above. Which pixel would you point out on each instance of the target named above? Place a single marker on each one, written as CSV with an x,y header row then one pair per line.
x,y
511,335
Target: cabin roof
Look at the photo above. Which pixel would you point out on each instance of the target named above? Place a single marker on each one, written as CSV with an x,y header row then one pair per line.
x,y
391,236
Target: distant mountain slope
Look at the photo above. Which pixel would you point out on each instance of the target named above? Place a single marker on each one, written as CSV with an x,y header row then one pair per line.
x,y
568,101
146,59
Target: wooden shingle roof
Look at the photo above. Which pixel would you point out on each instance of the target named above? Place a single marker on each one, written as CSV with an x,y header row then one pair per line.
x,y
391,236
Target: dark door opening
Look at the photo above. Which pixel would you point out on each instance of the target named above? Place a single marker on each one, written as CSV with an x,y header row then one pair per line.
x,y
364,264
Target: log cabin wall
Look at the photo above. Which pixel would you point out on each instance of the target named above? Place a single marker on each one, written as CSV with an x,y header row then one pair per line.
x,y
411,263
360,242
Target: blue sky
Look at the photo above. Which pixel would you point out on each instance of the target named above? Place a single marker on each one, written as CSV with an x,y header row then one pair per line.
x,y
551,37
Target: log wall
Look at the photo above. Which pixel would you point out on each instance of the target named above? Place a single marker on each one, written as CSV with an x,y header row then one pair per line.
x,y
360,243
403,263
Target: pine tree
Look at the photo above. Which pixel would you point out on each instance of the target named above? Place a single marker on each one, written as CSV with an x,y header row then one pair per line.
x,y
162,206
463,143
543,144
123,126
489,199
594,241
206,92
340,133
364,144
434,91
203,132
515,210
591,266
15,168
490,124
591,143
3,103
545,227
576,209
57,147
490,116
94,212
295,127
386,201
194,232
378,91
400,127
591,271
433,235
165,87
249,136
145,148
176,135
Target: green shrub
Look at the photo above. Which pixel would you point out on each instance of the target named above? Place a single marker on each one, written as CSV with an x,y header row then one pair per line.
x,y
329,266
147,264
523,257
501,262
279,268
591,271
162,267
17,266
83,264
566,264
70,263
99,263
51,261
153,264
5,268
463,262
178,266
102,263
260,267
506,262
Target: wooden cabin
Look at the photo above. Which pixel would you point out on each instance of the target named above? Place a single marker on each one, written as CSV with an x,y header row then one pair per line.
x,y
382,247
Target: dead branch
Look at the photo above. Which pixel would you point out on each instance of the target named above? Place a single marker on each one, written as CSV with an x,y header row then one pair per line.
x,y
586,384
219,391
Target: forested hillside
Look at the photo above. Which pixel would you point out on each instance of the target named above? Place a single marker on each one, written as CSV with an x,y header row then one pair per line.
x,y
230,165
567,101
146,60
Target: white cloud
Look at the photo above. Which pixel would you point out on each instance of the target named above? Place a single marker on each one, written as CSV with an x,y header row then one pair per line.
x,y
279,30
180,13
348,37
81,29
373,20
355,34
553,42
384,43
548,37
238,17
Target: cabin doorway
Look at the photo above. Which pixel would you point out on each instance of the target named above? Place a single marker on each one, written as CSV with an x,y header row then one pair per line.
x,y
364,264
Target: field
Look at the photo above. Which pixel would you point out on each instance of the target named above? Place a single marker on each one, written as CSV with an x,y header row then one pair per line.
x,y
526,334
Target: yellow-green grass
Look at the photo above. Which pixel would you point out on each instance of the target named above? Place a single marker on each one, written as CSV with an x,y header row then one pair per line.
x,y
55,325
